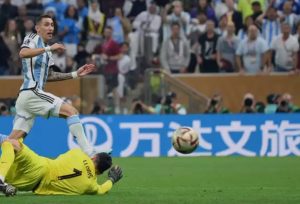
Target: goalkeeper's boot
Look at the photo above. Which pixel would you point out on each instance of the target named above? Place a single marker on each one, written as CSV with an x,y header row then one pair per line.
x,y
7,189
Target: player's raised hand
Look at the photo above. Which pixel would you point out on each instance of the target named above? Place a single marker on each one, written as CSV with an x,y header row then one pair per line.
x,y
57,46
115,174
85,70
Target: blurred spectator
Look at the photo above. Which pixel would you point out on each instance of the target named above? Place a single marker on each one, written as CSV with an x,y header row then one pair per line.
x,y
28,27
256,10
60,8
286,49
4,110
144,41
124,65
81,56
110,55
233,15
252,53
245,7
60,60
272,101
270,24
126,24
294,4
136,7
12,38
68,30
205,7
288,16
248,104
94,25
297,36
116,23
178,15
34,8
108,7
197,28
7,11
221,30
208,42
226,49
83,11
243,32
21,19
174,54
4,57
216,105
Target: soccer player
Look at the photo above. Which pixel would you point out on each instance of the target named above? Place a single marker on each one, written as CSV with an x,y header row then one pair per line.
x,y
72,173
32,101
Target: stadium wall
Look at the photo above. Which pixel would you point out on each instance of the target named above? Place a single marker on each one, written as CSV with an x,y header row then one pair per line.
x,y
149,136
234,86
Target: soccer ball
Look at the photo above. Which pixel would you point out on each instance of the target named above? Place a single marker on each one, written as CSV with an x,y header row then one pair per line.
x,y
185,140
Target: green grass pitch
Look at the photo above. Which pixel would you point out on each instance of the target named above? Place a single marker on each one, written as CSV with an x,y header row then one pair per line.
x,y
224,180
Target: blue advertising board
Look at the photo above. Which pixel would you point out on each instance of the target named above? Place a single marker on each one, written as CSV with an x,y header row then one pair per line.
x,y
150,135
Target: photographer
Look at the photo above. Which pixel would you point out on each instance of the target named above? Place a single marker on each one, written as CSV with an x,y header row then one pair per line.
x,y
285,104
248,104
216,105
4,111
138,107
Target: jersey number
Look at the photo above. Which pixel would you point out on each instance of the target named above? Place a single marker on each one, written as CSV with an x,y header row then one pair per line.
x,y
68,176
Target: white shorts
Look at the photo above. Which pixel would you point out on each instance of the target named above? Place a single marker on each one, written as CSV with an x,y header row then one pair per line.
x,y
32,103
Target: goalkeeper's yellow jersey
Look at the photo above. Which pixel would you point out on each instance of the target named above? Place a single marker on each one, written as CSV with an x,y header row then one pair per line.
x,y
71,173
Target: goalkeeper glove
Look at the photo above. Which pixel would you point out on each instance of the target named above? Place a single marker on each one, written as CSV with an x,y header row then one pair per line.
x,y
115,174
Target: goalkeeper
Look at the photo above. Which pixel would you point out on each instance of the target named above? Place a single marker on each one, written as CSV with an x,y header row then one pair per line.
x,y
71,173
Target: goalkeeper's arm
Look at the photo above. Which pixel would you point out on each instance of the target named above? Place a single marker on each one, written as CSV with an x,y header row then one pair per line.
x,y
114,175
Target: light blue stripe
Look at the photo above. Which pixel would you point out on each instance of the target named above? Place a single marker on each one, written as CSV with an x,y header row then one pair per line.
x,y
73,120
46,71
271,33
38,63
25,72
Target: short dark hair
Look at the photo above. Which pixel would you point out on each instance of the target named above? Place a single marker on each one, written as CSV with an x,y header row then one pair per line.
x,y
103,162
175,23
256,3
40,18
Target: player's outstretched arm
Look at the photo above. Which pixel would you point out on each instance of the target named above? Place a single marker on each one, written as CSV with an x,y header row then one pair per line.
x,y
82,71
27,52
114,175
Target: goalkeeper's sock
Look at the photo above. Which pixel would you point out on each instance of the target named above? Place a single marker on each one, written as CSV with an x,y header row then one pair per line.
x,y
7,158
77,131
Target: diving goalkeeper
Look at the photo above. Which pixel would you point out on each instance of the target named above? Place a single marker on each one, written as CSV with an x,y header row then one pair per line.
x,y
71,173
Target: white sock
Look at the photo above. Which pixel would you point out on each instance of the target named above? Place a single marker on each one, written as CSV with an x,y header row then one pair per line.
x,y
2,178
77,131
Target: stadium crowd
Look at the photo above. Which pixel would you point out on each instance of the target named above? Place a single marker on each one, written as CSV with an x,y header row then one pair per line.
x,y
123,37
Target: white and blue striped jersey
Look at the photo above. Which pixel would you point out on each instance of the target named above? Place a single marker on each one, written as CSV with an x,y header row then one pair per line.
x,y
270,30
35,69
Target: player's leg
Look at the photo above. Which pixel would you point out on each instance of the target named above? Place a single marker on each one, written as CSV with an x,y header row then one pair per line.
x,y
24,120
50,105
71,114
6,161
